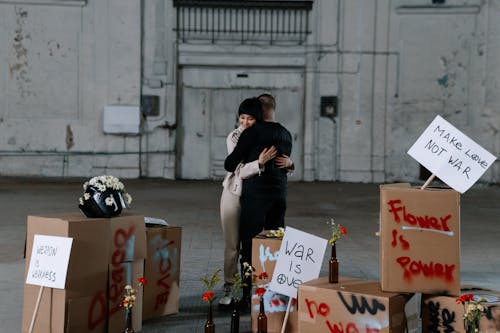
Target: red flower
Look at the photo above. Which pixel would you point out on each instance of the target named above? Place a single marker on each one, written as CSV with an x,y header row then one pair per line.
x,y
142,281
342,230
260,291
263,276
208,295
465,298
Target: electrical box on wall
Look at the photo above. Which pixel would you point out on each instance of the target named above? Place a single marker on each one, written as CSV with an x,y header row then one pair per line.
x,y
329,106
150,105
120,119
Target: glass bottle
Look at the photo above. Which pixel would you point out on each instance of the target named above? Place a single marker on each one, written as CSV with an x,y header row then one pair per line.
x,y
471,327
262,318
128,327
235,317
333,266
209,325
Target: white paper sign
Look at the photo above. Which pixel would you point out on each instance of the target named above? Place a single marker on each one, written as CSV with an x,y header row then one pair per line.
x,y
49,261
451,155
299,260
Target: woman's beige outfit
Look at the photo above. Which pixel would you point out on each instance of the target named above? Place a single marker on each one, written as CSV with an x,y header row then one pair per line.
x,y
230,209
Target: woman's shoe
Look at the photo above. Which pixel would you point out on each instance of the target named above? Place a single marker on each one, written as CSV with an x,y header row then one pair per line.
x,y
227,298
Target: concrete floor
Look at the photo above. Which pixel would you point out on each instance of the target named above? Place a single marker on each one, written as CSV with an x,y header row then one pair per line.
x,y
194,205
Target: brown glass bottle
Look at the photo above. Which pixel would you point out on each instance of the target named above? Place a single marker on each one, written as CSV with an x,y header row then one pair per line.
x,y
333,266
209,325
262,318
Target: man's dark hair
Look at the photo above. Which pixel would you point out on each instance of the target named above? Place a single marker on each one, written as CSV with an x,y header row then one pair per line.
x,y
268,102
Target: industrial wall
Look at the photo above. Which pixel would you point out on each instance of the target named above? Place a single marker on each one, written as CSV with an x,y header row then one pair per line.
x,y
356,83
61,63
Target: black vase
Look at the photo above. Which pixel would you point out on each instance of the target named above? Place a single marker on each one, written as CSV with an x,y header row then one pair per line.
x,y
96,207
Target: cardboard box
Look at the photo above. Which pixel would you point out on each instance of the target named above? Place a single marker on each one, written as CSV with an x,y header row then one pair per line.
x,y
105,254
419,239
162,271
102,312
443,314
264,256
352,305
80,319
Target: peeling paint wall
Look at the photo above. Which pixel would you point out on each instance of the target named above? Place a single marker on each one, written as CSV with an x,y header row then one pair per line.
x,y
159,79
64,64
392,64
395,65
442,71
42,59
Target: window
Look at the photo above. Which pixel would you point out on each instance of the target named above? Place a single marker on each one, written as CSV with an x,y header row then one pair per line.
x,y
244,21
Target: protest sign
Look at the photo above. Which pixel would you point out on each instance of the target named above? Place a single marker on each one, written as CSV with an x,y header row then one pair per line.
x,y
49,261
299,260
451,155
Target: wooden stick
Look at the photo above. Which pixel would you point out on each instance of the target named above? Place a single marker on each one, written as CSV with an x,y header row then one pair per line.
x,y
286,315
37,305
428,181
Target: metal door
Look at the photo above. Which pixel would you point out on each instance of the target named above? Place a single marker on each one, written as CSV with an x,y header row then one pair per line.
x,y
210,113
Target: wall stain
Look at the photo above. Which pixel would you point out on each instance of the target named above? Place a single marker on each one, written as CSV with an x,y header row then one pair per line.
x,y
69,137
443,81
19,71
452,80
55,49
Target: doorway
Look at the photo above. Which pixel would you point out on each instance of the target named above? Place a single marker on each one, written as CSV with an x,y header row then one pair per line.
x,y
209,107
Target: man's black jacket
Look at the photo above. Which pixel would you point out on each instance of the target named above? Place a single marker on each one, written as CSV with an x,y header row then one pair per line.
x,y
250,144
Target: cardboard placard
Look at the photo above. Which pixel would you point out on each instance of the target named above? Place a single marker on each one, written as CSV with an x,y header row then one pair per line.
x,y
299,260
352,305
451,155
419,239
265,251
95,276
49,261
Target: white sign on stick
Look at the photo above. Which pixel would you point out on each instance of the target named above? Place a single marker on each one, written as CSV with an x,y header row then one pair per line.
x,y
451,155
299,260
49,261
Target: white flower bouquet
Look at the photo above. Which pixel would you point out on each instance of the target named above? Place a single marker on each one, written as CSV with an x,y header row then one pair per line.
x,y
104,196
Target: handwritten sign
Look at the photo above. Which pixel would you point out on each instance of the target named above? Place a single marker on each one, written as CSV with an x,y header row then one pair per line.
x,y
419,239
49,261
357,313
451,155
299,260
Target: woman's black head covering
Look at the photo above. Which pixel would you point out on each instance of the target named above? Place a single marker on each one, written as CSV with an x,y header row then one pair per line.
x,y
251,106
